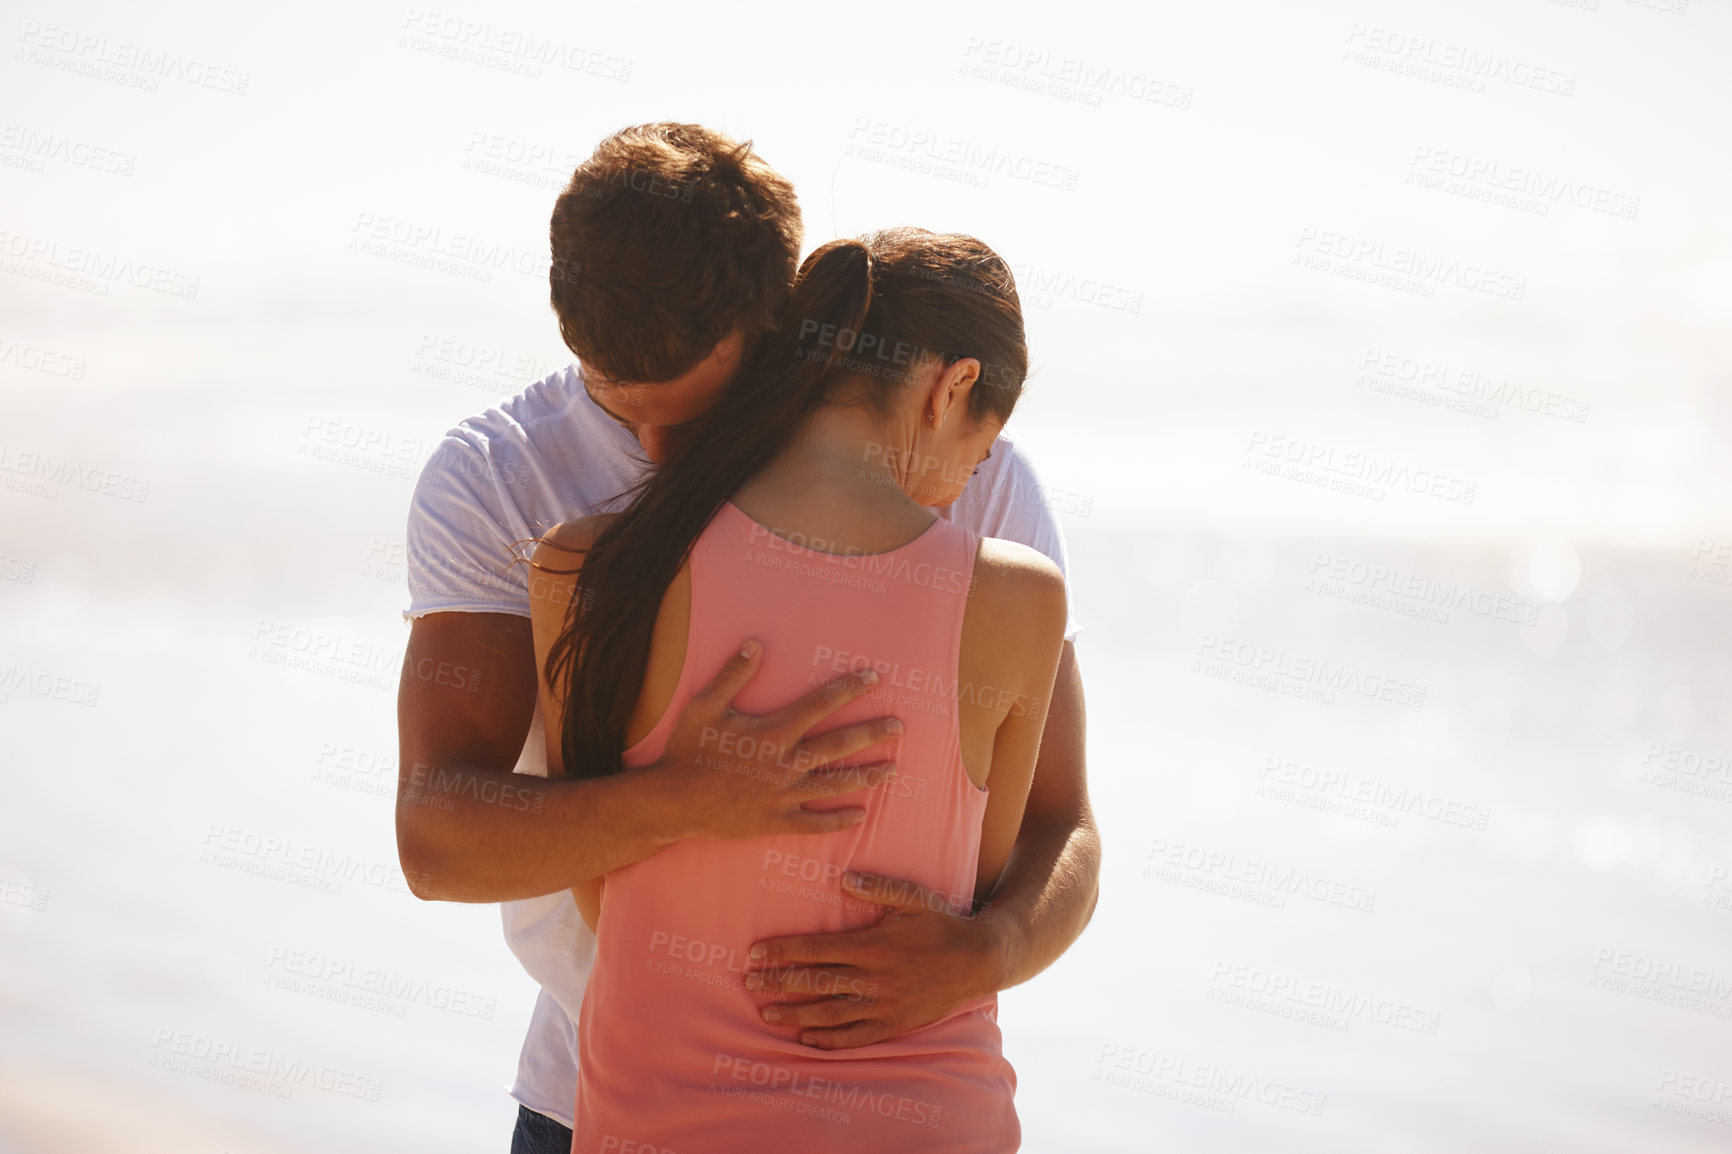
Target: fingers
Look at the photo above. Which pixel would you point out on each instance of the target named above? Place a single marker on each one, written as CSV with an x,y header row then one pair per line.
x,y
823,820
845,983
845,779
850,739
824,1013
893,892
821,703
721,691
862,1033
801,950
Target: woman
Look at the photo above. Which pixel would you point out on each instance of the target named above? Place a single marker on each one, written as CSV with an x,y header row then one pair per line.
x,y
799,514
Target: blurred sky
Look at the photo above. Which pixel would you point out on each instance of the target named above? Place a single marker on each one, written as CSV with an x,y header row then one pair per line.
x,y
1473,258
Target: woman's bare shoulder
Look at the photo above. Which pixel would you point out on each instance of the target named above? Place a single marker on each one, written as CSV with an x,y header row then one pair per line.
x,y
565,544
1016,608
1010,577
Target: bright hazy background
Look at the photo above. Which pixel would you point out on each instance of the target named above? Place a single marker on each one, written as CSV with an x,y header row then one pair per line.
x,y
1379,342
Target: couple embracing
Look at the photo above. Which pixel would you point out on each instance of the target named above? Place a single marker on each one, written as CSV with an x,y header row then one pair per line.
x,y
771,738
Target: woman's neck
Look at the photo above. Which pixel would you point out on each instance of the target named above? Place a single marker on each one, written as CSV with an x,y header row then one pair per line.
x,y
839,480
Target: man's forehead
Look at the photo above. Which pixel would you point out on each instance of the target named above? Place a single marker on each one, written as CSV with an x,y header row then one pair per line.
x,y
635,404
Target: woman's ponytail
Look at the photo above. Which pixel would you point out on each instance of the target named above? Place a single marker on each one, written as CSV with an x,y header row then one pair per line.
x,y
857,309
600,659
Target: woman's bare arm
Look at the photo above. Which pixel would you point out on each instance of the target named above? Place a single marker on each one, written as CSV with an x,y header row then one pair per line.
x,y
1012,639
554,569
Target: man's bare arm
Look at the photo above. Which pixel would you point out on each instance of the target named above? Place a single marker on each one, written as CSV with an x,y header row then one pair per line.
x,y
1049,888
918,966
468,828
471,830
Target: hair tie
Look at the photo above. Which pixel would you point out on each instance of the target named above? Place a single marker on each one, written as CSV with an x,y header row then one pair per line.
x,y
871,276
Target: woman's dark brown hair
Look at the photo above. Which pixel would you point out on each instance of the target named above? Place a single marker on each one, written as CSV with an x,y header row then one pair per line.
x,y
862,313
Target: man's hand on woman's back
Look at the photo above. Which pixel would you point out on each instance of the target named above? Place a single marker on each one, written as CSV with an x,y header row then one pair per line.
x,y
733,775
469,829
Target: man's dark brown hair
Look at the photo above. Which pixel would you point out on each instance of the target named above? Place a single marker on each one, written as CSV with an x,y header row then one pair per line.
x,y
666,239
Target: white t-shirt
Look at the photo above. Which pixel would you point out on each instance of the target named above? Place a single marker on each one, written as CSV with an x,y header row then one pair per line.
x,y
499,480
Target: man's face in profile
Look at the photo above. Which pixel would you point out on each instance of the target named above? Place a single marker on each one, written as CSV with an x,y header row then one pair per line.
x,y
658,414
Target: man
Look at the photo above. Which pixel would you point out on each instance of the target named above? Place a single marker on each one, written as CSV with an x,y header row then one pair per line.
x,y
674,248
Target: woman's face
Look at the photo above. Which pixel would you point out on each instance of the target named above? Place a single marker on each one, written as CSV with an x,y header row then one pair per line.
x,y
946,451
958,455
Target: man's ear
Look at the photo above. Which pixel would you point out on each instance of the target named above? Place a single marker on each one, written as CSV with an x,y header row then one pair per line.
x,y
731,348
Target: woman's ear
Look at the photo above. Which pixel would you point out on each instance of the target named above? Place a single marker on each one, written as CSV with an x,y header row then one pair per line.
x,y
951,390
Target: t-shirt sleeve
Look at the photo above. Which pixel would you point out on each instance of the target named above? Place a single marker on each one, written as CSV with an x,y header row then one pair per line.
x,y
460,548
1015,506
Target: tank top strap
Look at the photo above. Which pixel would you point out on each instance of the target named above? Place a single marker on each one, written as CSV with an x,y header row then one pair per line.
x,y
918,591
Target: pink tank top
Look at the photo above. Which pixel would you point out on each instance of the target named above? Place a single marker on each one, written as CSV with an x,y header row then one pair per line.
x,y
673,1053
